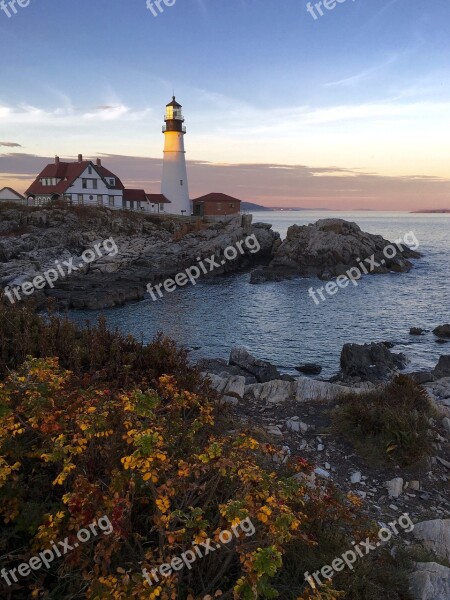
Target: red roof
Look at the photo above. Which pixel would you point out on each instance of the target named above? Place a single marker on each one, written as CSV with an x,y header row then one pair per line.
x,y
158,199
134,195
216,197
68,173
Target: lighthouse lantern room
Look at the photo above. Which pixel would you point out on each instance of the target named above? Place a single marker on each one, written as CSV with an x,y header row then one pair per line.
x,y
174,183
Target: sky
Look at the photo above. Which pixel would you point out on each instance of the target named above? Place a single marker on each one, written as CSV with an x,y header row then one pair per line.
x,y
347,110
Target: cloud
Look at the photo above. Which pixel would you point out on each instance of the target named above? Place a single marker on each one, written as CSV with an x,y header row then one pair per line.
x,y
67,115
10,144
363,75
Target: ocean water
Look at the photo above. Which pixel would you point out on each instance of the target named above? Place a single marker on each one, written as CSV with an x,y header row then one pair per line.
x,y
279,322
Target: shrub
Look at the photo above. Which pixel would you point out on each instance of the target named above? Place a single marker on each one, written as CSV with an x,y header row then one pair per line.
x,y
131,432
391,423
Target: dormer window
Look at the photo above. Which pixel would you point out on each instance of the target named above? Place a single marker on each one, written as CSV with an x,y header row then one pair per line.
x,y
112,181
90,170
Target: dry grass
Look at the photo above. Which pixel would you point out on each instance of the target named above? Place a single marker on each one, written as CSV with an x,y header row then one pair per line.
x,y
389,424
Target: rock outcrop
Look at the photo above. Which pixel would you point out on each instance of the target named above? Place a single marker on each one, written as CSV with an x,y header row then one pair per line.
x,y
330,248
443,331
430,581
435,535
261,370
303,389
151,249
370,362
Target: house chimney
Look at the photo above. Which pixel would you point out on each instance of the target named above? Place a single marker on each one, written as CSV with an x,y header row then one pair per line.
x,y
99,162
56,160
80,158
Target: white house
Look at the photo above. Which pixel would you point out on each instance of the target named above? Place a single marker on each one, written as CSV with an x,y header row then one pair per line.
x,y
7,194
86,183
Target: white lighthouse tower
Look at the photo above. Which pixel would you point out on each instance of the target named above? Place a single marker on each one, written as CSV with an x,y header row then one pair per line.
x,y
174,184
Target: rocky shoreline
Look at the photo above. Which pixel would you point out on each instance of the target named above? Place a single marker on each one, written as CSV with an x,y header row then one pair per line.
x,y
295,413
151,249
154,248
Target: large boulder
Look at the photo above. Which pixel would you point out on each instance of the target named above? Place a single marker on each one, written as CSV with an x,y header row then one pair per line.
x,y
435,535
261,369
233,386
303,389
370,362
430,581
330,248
442,369
443,331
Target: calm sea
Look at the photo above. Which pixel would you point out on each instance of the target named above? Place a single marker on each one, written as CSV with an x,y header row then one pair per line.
x,y
279,321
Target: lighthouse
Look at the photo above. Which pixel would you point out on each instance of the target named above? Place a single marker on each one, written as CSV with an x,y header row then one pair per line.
x,y
174,184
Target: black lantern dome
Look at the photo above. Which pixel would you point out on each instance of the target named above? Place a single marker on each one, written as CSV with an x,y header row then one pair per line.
x,y
174,117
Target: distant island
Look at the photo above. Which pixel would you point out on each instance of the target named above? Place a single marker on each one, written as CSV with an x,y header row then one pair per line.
x,y
251,206
432,211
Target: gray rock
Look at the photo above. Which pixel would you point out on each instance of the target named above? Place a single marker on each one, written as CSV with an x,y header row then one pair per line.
x,y
329,248
301,390
356,477
442,369
430,581
309,369
395,487
416,331
233,386
422,376
443,331
370,362
435,535
322,473
261,369
272,392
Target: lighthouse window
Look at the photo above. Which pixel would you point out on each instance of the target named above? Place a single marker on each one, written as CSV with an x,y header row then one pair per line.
x,y
181,182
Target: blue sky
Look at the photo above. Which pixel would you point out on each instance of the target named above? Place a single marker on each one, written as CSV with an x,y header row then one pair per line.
x,y
360,93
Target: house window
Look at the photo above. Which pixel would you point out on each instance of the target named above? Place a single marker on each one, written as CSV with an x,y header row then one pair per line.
x,y
111,201
80,199
100,199
94,184
231,205
161,207
90,170
112,181
84,184
181,182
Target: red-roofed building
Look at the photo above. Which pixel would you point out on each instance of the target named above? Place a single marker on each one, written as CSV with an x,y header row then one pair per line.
x,y
140,200
216,205
86,183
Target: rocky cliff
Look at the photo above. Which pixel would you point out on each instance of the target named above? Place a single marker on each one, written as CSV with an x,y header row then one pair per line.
x,y
150,249
330,248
